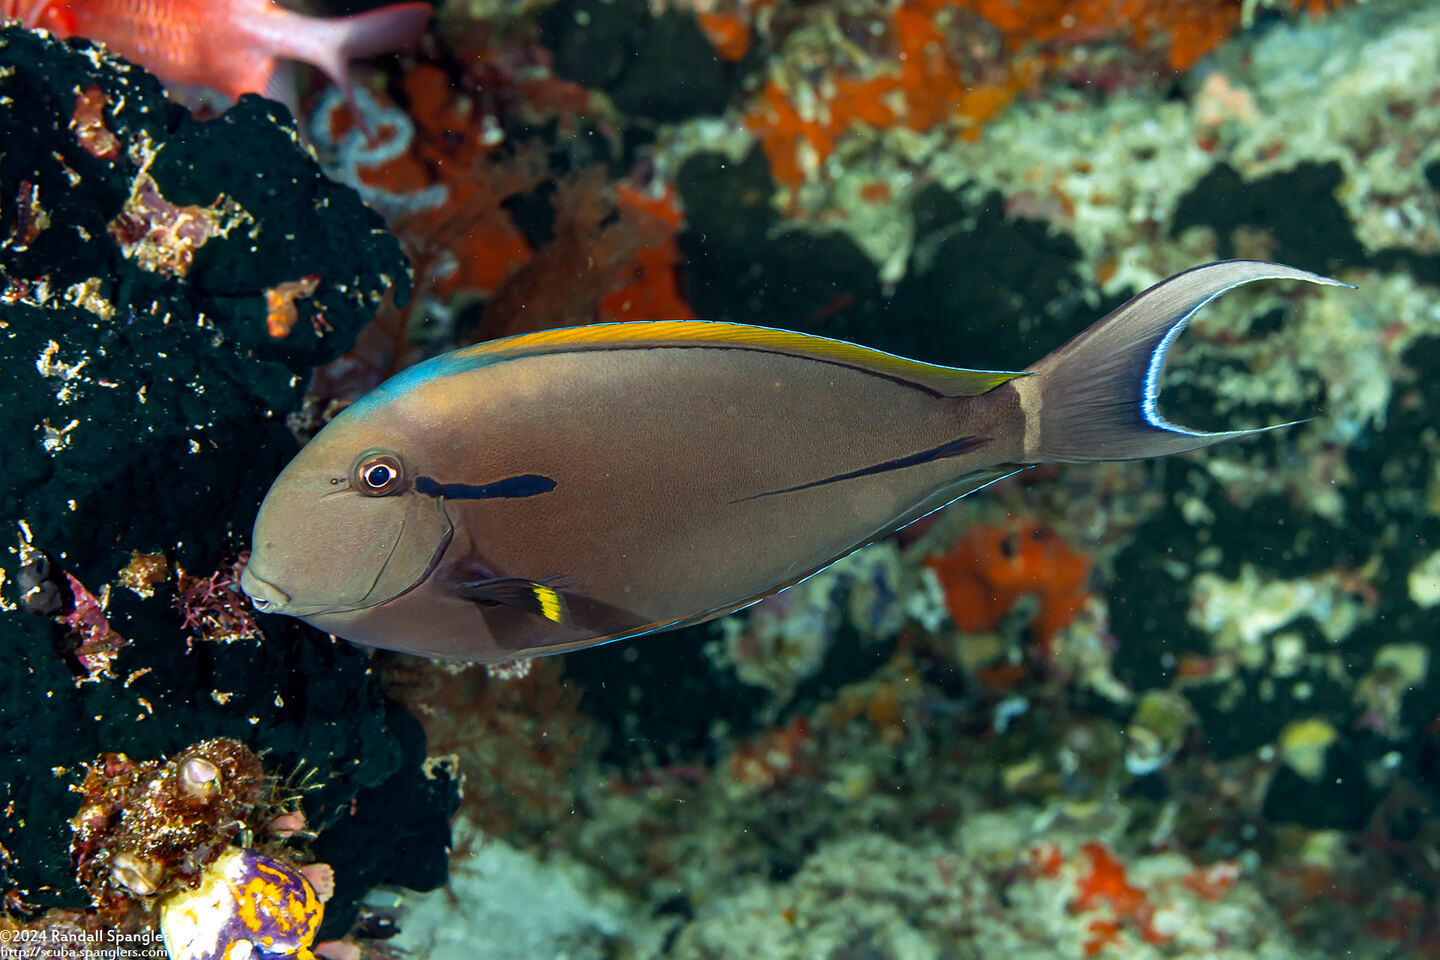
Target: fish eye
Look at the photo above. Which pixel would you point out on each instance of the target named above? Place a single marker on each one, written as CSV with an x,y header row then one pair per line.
x,y
377,474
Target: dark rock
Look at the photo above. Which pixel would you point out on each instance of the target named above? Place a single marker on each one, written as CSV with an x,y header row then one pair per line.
x,y
655,68
981,289
145,411
1298,208
404,818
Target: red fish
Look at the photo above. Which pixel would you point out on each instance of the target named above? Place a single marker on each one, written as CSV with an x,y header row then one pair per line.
x,y
227,45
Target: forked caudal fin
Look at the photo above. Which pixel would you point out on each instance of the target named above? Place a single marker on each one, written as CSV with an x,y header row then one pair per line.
x,y
1094,398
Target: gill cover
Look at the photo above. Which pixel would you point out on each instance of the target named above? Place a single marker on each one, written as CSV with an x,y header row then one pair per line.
x,y
421,531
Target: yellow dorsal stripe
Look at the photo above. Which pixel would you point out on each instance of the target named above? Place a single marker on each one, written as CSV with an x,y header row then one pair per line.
x,y
949,381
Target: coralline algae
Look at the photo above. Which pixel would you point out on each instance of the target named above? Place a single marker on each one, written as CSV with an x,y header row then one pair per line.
x,y
581,917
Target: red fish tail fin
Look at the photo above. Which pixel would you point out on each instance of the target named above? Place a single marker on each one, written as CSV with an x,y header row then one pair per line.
x,y
331,44
30,12
1095,397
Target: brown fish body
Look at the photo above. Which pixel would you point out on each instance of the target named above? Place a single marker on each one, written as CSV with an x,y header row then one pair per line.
x,y
563,489
645,505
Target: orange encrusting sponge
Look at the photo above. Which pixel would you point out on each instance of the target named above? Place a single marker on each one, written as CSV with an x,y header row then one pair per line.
x,y
924,85
992,566
922,89
1106,883
649,287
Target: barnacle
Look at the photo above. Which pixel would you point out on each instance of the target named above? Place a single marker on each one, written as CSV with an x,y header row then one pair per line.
x,y
150,827
140,875
200,778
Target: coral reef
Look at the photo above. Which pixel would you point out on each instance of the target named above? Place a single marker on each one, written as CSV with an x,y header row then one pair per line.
x,y
523,746
583,918
990,569
1179,709
151,827
1138,710
1059,898
155,845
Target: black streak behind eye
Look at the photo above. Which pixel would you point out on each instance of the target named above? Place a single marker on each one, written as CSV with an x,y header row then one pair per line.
x,y
525,485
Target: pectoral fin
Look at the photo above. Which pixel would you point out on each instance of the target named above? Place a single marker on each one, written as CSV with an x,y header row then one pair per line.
x,y
527,595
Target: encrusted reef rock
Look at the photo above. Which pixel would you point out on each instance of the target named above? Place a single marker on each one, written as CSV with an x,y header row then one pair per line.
x,y
165,287
1243,667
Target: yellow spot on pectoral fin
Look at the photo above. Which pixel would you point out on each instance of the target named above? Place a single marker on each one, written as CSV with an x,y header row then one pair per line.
x,y
528,595
551,606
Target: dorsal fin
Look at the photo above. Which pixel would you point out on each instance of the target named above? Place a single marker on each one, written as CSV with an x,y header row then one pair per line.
x,y
945,381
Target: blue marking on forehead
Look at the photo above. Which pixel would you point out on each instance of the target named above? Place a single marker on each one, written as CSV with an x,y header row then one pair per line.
x,y
412,378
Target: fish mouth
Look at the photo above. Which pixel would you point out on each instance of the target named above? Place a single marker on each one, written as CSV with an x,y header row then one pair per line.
x,y
266,597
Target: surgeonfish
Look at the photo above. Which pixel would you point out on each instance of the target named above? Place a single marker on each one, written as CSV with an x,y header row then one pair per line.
x,y
556,490
227,45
